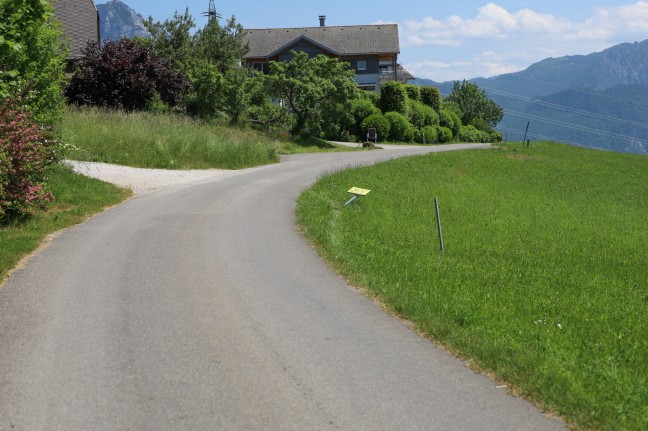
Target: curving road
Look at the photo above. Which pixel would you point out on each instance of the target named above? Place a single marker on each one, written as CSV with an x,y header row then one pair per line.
x,y
201,308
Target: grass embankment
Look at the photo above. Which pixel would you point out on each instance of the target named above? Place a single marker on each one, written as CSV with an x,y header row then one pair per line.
x,y
77,197
168,141
544,279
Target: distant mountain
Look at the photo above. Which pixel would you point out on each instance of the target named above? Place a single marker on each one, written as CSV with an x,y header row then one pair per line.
x,y
598,100
118,21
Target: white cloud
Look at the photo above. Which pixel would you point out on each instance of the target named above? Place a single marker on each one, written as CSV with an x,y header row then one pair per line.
x,y
517,39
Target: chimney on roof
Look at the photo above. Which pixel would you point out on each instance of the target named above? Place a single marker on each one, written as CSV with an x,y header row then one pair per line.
x,y
322,20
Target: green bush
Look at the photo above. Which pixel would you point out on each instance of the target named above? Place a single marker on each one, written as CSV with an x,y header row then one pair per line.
x,y
393,97
378,122
448,118
480,124
400,129
372,96
472,134
431,134
431,96
360,109
413,92
444,134
496,136
421,115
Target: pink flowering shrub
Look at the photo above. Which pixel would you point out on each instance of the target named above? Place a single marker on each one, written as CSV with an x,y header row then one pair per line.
x,y
26,151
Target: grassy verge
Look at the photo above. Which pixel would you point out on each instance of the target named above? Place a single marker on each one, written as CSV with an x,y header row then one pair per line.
x,y
77,197
544,278
169,141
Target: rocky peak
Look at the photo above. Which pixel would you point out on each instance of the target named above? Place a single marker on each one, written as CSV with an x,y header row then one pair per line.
x,y
118,20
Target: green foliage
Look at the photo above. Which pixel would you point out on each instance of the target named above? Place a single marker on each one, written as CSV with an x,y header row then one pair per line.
x,y
312,87
156,105
449,119
471,134
444,135
431,96
337,122
474,103
361,108
431,134
211,58
207,82
375,121
172,39
124,74
413,92
26,151
32,58
496,136
400,130
393,97
222,46
372,96
269,114
480,124
421,115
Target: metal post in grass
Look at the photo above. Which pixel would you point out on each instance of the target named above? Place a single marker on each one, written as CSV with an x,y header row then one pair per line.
x,y
526,133
438,215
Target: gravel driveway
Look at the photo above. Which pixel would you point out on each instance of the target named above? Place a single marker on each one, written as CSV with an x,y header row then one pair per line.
x,y
142,180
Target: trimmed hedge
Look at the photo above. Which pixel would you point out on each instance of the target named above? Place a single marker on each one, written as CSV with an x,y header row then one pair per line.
x,y
400,129
378,122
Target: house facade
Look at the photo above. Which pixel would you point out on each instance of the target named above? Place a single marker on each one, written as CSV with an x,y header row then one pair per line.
x,y
371,50
80,23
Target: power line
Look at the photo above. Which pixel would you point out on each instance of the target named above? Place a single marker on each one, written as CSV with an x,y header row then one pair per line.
x,y
566,108
573,126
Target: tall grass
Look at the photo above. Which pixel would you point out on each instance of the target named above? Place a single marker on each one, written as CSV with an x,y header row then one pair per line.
x,y
77,197
161,141
544,280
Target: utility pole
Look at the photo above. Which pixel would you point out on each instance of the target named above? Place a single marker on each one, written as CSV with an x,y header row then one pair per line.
x,y
211,14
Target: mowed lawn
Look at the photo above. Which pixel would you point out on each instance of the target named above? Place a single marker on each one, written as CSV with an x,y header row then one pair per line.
x,y
544,280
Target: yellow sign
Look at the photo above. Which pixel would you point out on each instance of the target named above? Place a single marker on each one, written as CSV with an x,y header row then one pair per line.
x,y
359,192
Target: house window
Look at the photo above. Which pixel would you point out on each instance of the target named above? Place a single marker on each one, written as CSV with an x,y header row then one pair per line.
x,y
362,65
257,66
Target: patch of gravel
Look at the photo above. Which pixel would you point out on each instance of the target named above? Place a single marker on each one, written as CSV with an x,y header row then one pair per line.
x,y
141,180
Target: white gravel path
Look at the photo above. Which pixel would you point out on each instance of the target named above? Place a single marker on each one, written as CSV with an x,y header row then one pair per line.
x,y
146,180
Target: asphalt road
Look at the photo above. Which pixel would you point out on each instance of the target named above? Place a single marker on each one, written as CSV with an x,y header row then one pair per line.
x,y
201,308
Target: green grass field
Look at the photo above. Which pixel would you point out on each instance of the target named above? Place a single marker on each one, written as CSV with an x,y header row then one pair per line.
x,y
543,280
168,141
77,197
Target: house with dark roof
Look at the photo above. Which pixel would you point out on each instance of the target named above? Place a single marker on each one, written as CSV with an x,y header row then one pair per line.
x,y
371,50
80,23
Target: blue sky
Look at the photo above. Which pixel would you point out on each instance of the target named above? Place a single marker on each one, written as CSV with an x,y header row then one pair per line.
x,y
450,40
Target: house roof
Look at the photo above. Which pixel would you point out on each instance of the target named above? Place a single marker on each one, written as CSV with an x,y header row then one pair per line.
x,y
79,21
349,40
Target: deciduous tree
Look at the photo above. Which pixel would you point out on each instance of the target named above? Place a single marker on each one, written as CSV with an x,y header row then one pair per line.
x,y
310,87
32,58
474,103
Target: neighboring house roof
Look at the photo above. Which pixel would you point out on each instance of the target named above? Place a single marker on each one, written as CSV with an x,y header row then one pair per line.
x,y
79,21
350,40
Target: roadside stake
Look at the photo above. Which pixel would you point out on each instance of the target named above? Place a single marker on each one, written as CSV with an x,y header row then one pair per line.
x,y
356,192
436,204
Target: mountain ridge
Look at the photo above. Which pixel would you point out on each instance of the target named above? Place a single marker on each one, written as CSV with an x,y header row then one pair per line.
x,y
119,20
610,86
